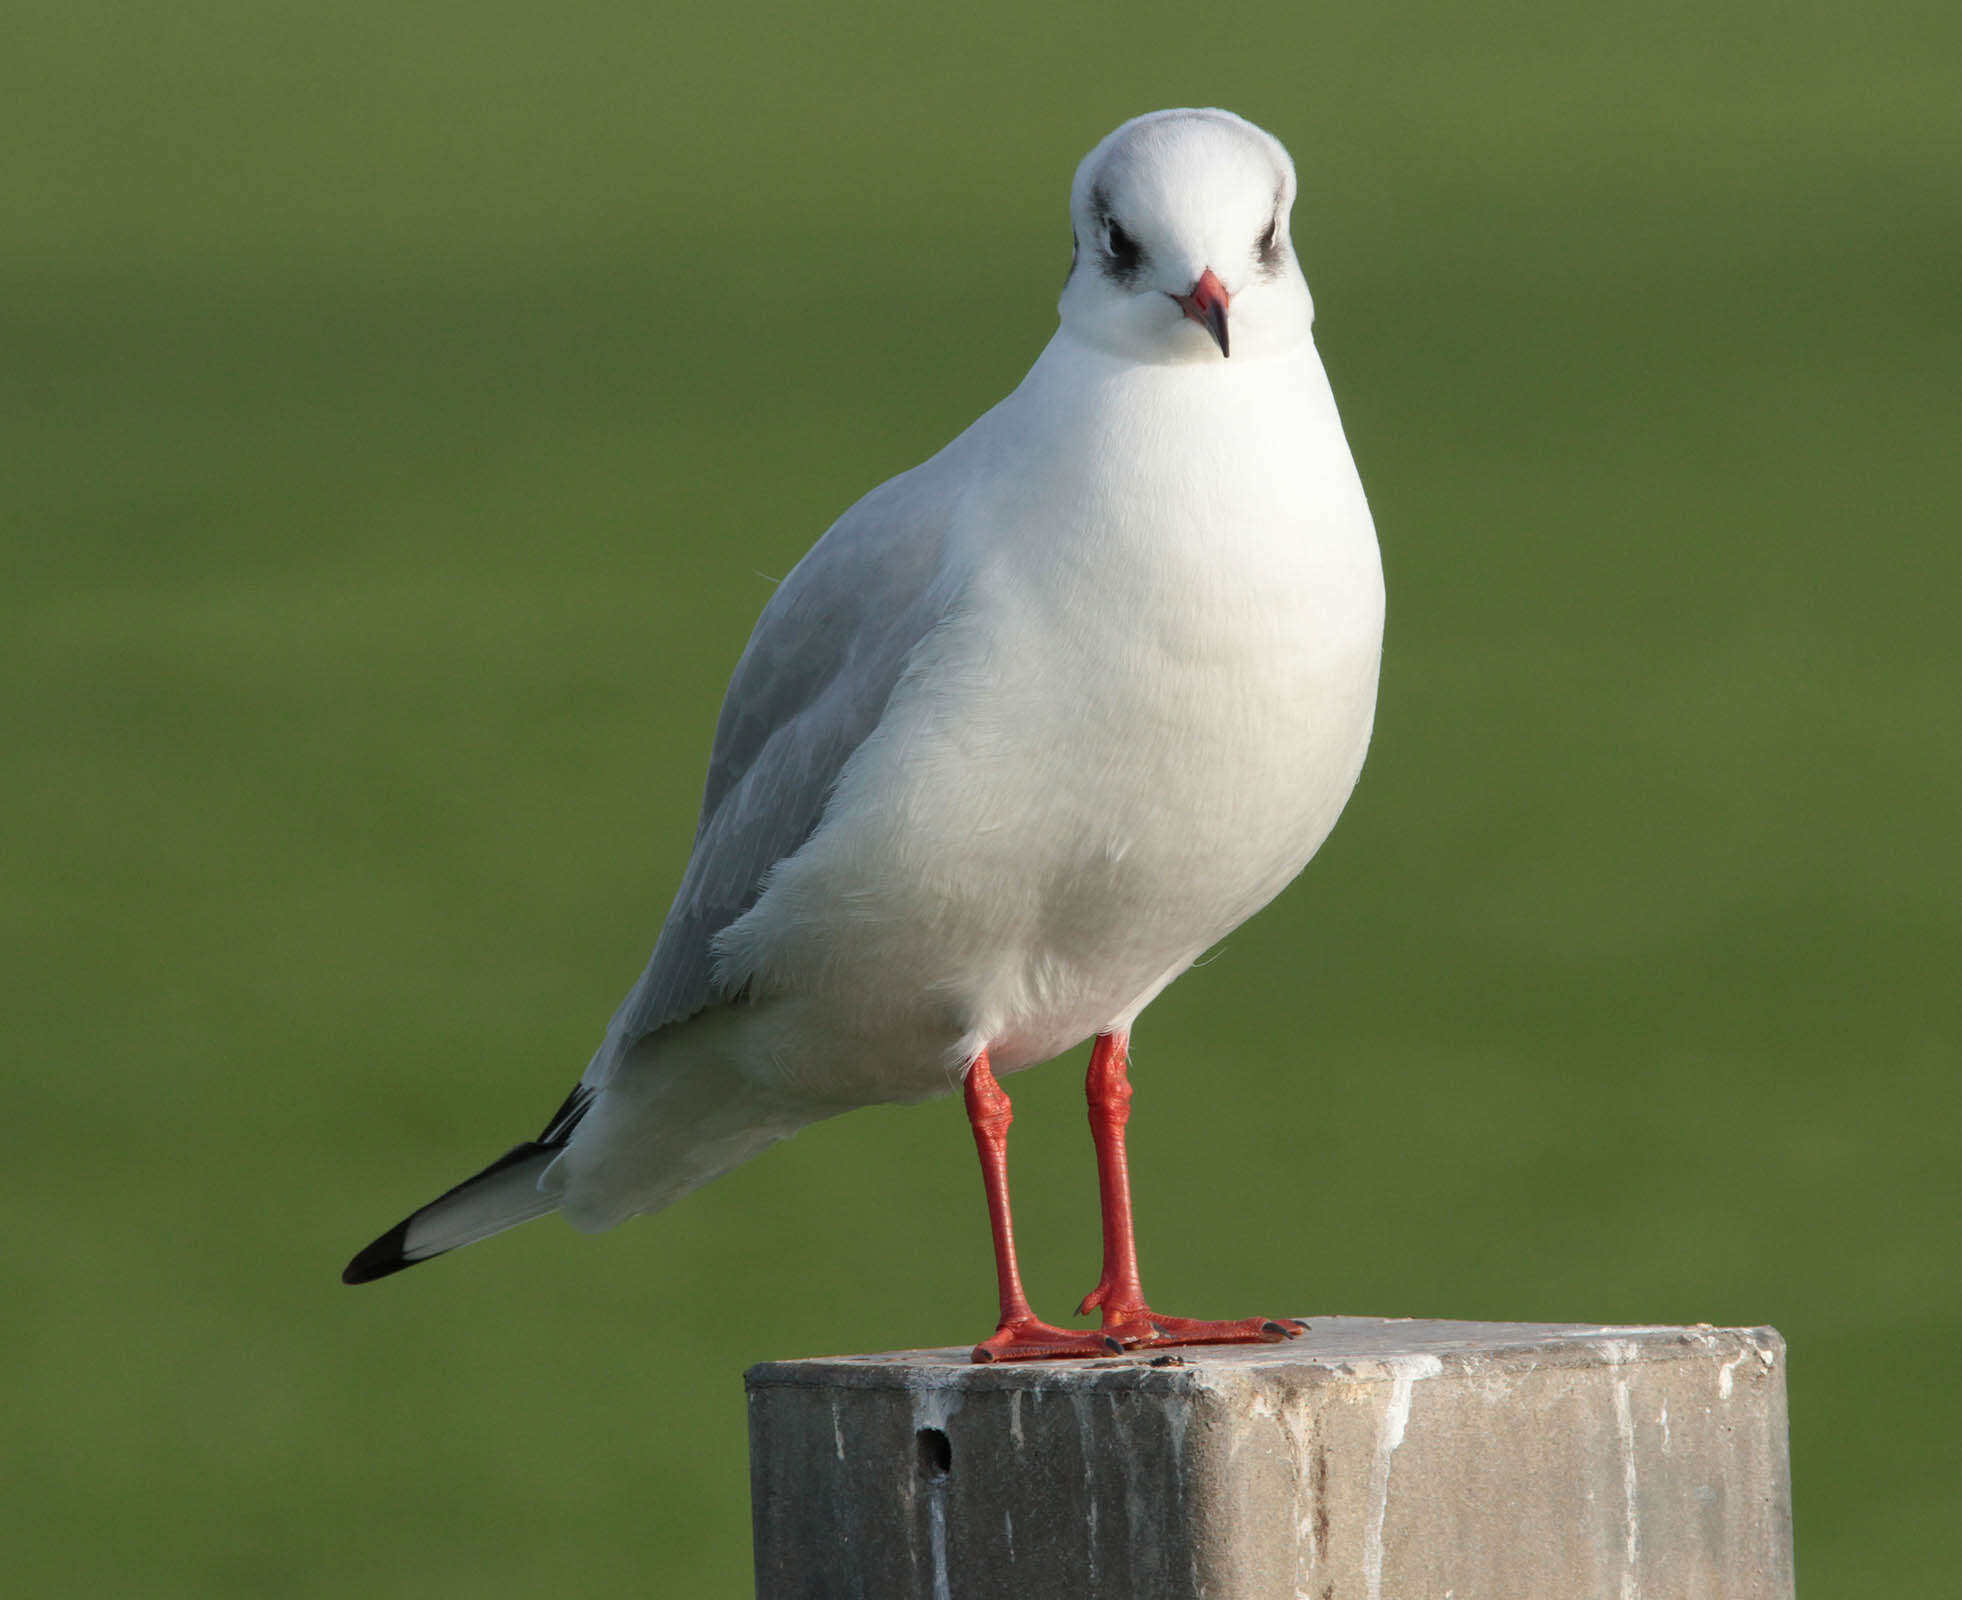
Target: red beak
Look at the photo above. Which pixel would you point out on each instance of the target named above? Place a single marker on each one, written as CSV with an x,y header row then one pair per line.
x,y
1206,305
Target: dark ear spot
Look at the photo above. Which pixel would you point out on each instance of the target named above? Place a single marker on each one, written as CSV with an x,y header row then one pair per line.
x,y
1123,252
1120,256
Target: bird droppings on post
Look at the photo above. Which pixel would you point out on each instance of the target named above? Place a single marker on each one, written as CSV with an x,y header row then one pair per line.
x,y
1618,1352
1406,1372
933,1407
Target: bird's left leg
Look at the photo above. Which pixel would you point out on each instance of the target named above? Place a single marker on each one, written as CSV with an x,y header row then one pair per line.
x,y
1119,1294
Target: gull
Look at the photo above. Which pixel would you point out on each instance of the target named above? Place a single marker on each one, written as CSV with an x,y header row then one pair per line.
x,y
1027,731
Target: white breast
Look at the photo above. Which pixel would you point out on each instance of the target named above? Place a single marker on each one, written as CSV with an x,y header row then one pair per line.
x,y
1136,725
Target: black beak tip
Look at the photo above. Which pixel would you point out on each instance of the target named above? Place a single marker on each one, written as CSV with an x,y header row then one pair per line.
x,y
1216,326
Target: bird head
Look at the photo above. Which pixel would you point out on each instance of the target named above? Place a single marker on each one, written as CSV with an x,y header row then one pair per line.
x,y
1182,253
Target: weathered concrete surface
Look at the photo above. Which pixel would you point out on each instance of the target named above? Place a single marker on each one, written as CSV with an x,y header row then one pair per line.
x,y
1370,1460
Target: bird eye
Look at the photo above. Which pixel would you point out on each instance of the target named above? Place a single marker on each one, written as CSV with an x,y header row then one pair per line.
x,y
1124,250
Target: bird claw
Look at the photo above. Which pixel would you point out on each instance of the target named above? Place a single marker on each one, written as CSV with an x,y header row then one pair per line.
x,y
1034,1340
1137,1327
1144,1327
1133,1324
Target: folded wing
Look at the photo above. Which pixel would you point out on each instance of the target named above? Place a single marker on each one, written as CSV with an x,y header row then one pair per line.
x,y
812,683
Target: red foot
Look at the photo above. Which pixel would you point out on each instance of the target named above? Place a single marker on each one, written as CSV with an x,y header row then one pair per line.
x,y
1034,1340
1137,1325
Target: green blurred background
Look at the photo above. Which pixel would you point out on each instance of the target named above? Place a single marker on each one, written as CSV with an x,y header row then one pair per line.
x,y
404,406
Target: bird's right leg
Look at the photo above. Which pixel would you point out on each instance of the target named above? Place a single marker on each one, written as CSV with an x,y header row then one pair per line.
x,y
1127,1318
1020,1335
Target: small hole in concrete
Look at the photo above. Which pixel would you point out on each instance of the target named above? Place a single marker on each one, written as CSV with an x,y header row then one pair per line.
x,y
936,1453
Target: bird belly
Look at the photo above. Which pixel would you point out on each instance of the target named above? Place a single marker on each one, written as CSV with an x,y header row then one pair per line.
x,y
1007,867
1208,749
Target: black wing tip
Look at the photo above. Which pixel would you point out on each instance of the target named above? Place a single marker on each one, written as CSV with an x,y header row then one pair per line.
x,y
384,1256
388,1254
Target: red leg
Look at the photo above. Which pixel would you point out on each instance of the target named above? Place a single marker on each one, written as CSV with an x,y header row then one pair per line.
x,y
1107,1087
1119,1294
1020,1335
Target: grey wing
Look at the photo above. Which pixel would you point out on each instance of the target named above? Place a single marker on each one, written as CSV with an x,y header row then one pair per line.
x,y
811,685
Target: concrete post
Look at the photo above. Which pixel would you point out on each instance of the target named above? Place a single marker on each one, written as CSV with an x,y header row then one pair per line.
x,y
1370,1460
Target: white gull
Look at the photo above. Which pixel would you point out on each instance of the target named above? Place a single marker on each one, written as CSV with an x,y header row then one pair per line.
x,y
1031,727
